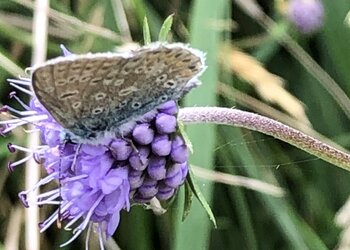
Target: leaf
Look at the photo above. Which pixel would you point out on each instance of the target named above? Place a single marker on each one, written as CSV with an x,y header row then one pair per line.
x,y
165,29
188,200
184,135
146,32
195,189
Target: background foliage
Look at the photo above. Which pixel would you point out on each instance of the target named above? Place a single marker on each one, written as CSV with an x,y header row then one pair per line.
x,y
304,218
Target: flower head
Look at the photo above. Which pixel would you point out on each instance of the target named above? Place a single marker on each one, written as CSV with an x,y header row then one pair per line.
x,y
98,181
306,15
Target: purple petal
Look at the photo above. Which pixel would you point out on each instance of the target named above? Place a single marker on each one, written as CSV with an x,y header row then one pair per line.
x,y
135,179
93,150
139,159
161,145
169,108
143,134
179,150
65,51
165,124
156,168
165,192
173,176
113,224
184,171
148,189
120,149
51,134
113,180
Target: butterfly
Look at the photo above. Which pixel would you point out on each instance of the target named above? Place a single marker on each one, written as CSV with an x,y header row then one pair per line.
x,y
94,95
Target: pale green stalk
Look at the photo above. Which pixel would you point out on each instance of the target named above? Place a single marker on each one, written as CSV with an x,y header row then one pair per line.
x,y
238,118
40,24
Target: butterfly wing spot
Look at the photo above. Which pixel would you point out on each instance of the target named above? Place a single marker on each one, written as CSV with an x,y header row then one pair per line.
x,y
140,69
100,96
73,79
105,69
76,105
177,55
68,94
85,78
170,84
97,110
163,98
127,91
106,65
123,103
161,78
92,64
76,67
95,81
126,69
135,60
136,105
49,89
60,68
108,80
118,82
148,69
192,67
61,82
43,75
157,72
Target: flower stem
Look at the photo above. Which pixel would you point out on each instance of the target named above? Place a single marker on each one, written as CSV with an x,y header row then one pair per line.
x,y
235,117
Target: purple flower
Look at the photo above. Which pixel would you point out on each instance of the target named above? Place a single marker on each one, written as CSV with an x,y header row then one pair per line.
x,y
306,15
99,181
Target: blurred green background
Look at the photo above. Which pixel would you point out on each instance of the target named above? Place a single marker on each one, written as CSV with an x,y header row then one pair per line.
x,y
254,64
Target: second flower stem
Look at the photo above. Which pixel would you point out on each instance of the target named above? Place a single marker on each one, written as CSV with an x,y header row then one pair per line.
x,y
265,125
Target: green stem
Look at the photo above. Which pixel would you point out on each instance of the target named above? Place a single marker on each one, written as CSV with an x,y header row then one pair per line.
x,y
266,126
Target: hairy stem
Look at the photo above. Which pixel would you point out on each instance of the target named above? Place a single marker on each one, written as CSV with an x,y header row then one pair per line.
x,y
238,118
